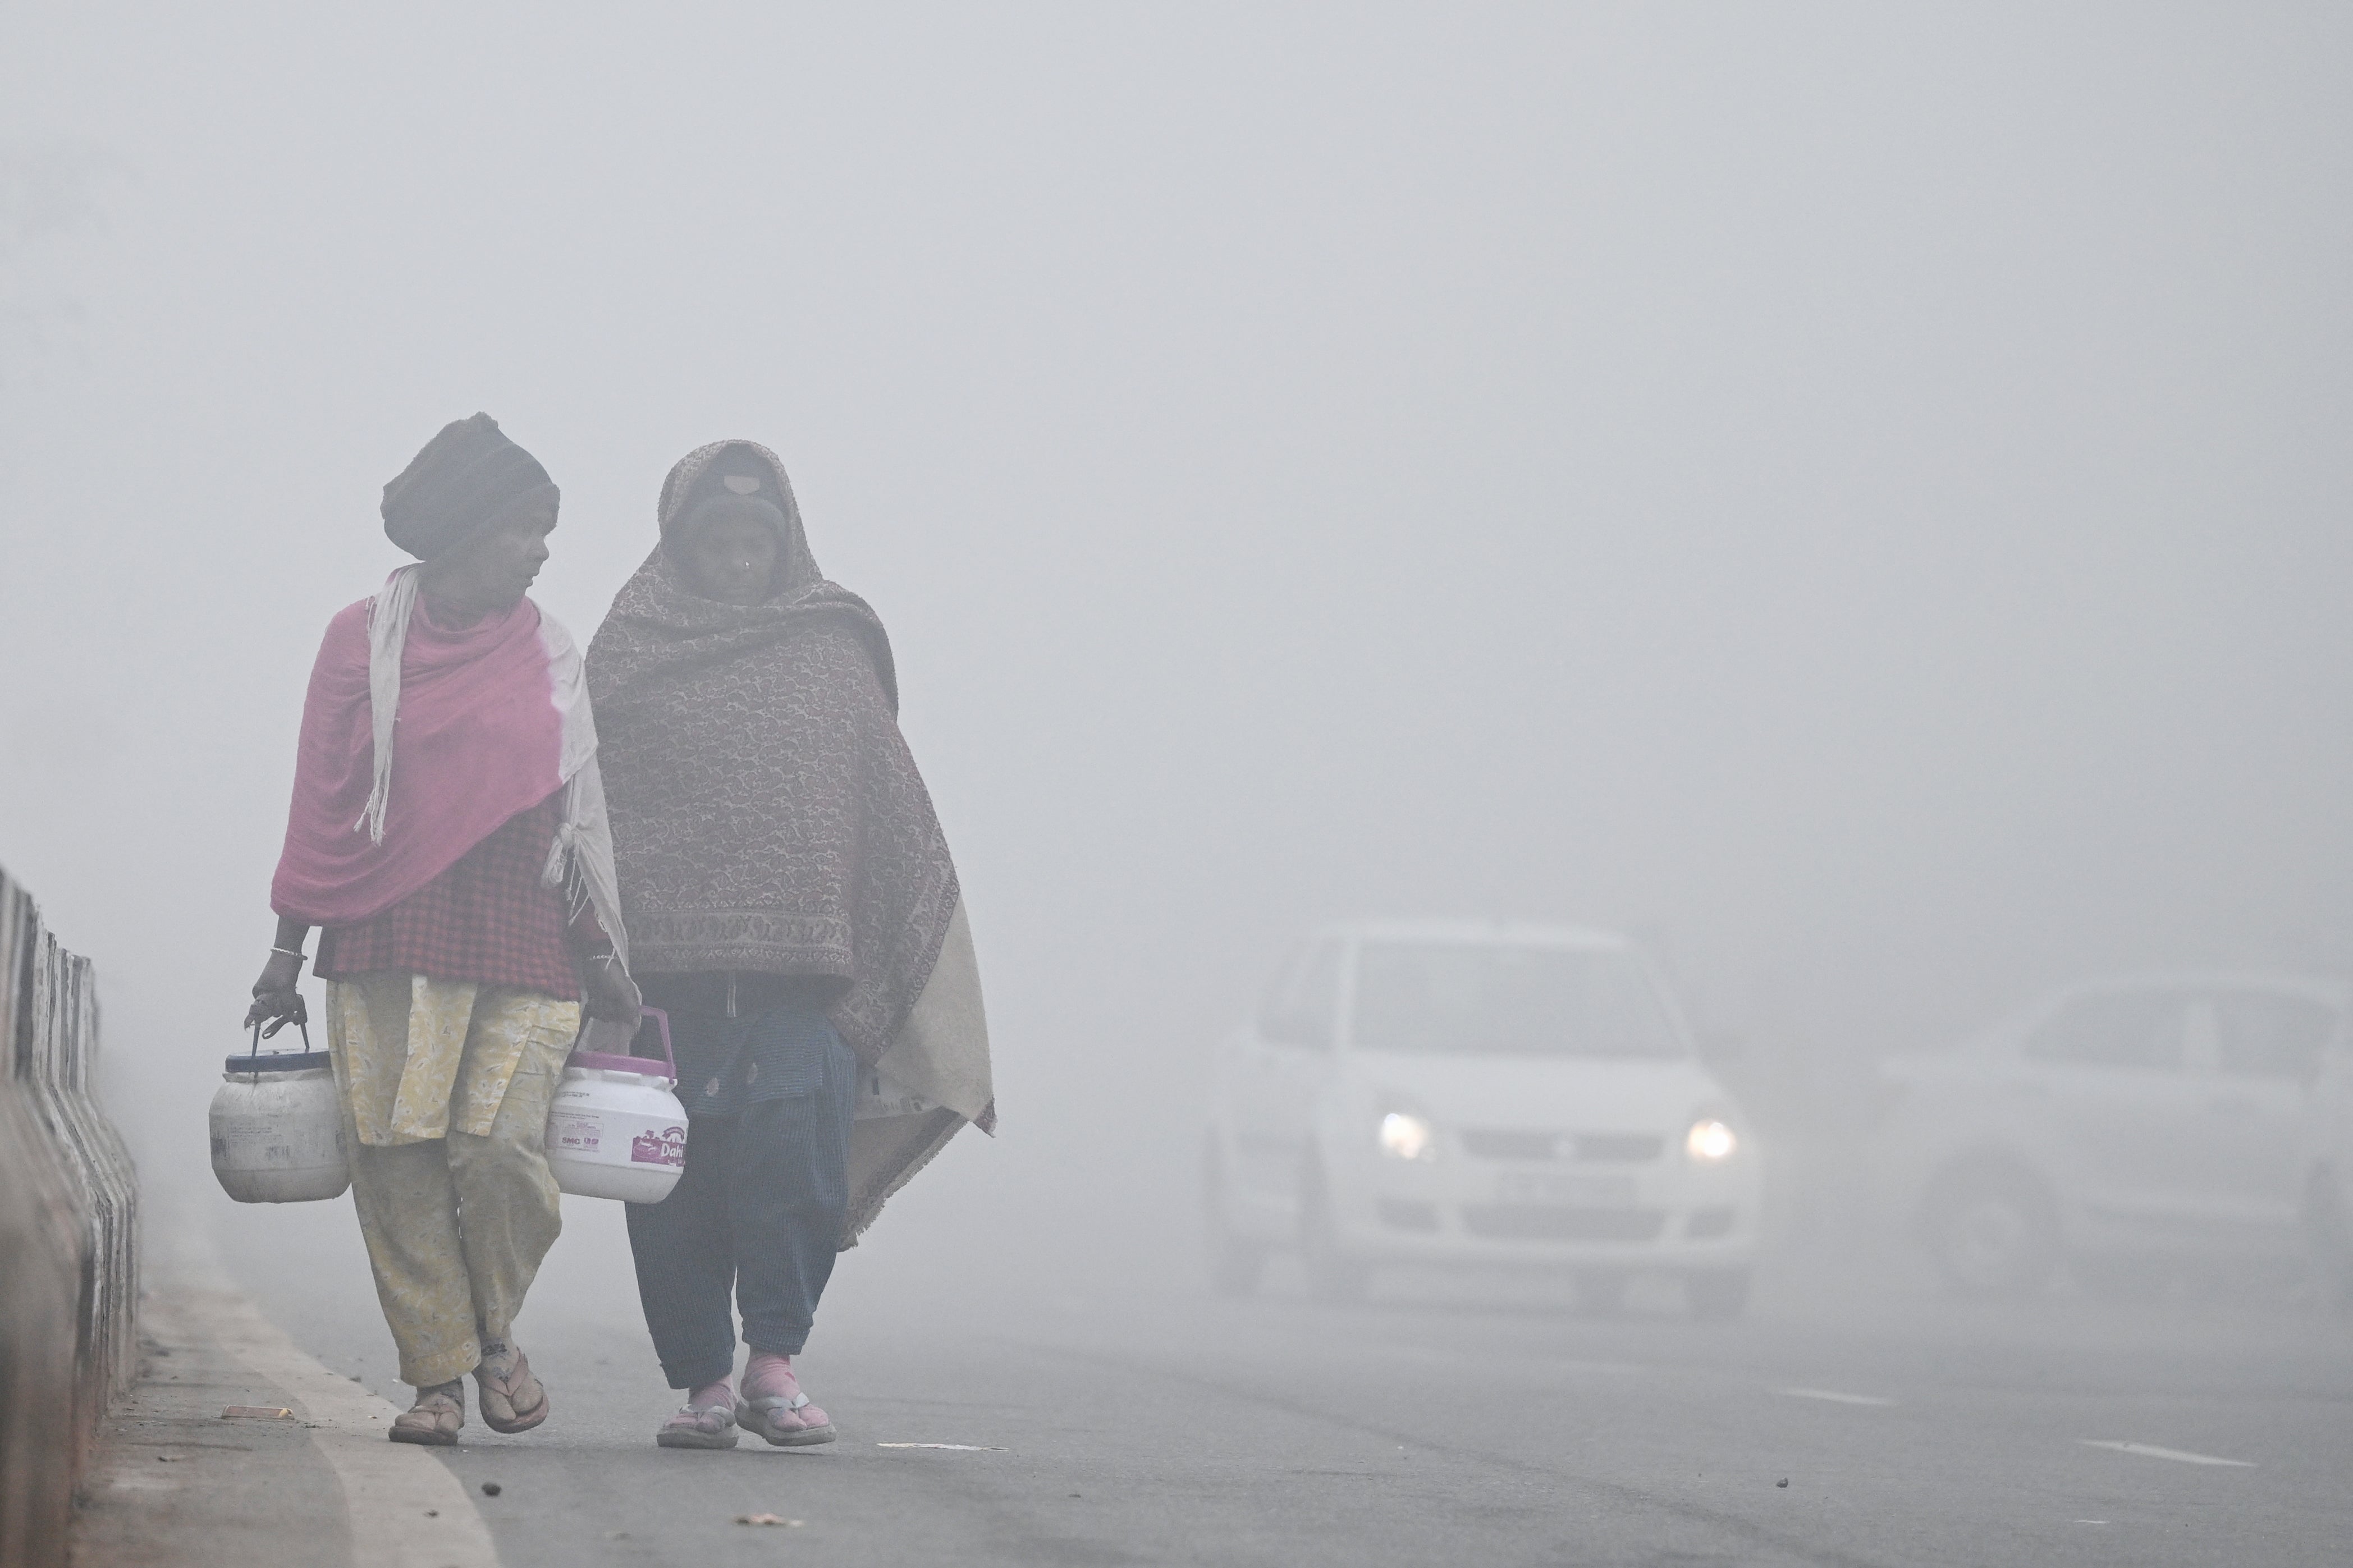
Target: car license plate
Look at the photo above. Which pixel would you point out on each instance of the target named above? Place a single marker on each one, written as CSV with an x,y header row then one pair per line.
x,y
1561,1187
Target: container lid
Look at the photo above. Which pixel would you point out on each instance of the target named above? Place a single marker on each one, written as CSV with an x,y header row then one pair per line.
x,y
658,1071
256,1060
665,1069
281,1061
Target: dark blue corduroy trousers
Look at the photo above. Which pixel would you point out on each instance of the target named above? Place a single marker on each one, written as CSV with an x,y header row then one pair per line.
x,y
758,1212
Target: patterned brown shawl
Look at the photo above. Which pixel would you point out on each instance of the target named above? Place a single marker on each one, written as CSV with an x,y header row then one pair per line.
x,y
767,815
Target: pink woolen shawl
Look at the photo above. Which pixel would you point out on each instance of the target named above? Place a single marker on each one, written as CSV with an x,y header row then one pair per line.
x,y
489,722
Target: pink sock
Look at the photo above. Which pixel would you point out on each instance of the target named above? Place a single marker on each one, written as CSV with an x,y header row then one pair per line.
x,y
718,1393
768,1373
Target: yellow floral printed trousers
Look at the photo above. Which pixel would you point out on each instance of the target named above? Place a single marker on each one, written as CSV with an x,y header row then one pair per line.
x,y
444,1086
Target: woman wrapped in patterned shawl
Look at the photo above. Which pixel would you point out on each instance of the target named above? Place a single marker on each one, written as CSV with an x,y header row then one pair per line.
x,y
790,900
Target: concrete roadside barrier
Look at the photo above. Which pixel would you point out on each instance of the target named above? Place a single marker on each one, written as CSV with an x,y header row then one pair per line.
x,y
69,1237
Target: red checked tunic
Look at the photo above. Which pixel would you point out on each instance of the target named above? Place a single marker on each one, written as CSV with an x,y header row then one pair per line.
x,y
488,919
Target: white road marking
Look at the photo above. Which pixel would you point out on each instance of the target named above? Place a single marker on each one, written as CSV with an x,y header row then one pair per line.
x,y
2150,1451
952,1447
1833,1395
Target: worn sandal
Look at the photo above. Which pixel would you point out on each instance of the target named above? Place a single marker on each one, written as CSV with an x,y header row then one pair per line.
x,y
435,1418
788,1421
513,1400
773,1406
711,1425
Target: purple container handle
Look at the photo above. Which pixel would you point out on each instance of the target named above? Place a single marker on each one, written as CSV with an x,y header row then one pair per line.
x,y
610,1063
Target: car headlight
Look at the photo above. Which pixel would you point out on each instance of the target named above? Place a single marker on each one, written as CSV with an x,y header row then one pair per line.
x,y
1405,1136
1710,1141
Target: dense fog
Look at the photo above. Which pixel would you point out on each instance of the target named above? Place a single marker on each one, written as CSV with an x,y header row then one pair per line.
x,y
1851,495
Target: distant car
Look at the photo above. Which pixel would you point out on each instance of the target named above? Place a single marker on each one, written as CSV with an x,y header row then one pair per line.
x,y
1477,1095
2120,1128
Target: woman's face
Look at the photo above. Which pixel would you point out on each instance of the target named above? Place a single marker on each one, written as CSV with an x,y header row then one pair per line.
x,y
729,552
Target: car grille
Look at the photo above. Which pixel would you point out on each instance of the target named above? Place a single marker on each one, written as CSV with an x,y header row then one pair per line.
x,y
1541,1222
1613,1148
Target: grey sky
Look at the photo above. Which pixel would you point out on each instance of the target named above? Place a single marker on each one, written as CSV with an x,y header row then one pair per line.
x,y
1859,490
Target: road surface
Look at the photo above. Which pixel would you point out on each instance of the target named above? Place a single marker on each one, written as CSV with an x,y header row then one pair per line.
x,y
1002,1398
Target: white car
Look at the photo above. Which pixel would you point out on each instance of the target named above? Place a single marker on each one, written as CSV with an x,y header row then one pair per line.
x,y
1456,1094
2122,1128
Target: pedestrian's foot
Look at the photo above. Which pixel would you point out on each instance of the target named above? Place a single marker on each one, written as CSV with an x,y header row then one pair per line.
x,y
513,1400
707,1419
773,1405
436,1417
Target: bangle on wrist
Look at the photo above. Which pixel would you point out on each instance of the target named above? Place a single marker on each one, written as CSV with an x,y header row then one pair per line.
x,y
296,954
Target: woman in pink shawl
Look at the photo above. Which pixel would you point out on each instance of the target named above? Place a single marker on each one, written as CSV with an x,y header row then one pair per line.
x,y
463,876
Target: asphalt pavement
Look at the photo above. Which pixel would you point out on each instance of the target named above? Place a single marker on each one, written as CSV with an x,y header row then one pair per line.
x,y
1033,1394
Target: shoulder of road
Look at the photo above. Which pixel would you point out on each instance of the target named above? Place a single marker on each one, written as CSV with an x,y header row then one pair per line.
x,y
237,1446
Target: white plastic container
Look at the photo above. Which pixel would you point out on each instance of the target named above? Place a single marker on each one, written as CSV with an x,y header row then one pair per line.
x,y
614,1129
278,1127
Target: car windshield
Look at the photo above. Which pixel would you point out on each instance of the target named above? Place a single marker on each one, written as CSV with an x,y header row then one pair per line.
x,y
1469,999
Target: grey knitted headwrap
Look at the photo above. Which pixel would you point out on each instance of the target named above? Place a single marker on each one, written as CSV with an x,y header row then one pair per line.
x,y
457,485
